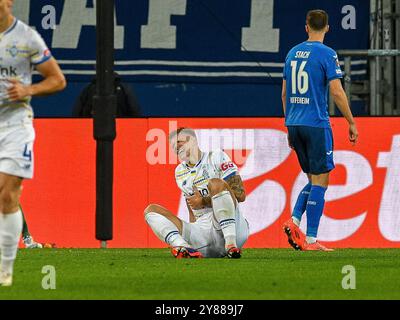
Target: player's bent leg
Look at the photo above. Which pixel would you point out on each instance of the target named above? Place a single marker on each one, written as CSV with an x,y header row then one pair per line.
x,y
301,202
224,207
155,208
216,186
168,228
242,234
291,227
321,180
10,224
242,229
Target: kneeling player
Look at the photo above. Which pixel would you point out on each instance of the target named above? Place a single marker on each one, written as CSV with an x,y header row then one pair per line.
x,y
213,188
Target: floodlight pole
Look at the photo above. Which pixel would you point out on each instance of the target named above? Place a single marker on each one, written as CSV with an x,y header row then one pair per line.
x,y
104,128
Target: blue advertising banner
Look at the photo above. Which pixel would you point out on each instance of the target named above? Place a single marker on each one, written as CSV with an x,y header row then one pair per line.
x,y
203,42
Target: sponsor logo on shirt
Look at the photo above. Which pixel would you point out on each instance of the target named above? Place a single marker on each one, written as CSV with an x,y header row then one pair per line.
x,y
226,165
9,71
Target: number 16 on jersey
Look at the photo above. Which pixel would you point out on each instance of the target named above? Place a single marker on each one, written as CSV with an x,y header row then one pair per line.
x,y
299,77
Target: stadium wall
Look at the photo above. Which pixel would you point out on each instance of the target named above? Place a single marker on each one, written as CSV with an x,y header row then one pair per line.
x,y
190,58
362,203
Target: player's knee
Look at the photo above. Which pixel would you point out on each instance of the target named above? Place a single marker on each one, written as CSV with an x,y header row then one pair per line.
x,y
9,199
216,186
151,208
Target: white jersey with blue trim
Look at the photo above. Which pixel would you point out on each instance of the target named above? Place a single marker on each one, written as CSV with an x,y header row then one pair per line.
x,y
214,164
21,48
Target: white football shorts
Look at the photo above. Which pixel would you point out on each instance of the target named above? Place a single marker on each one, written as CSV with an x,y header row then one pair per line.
x,y
16,150
206,236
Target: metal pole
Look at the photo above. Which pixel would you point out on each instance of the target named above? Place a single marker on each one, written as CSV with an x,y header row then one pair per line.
x,y
104,104
372,62
347,77
378,94
372,84
388,73
377,59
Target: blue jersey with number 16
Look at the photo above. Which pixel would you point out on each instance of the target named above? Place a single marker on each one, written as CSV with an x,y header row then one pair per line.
x,y
308,69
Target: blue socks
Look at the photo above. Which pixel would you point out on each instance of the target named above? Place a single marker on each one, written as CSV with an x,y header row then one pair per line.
x,y
312,200
315,207
301,202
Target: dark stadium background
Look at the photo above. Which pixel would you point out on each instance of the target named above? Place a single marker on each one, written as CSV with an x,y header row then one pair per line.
x,y
210,31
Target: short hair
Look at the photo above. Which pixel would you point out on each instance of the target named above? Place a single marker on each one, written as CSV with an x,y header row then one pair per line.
x,y
317,19
188,131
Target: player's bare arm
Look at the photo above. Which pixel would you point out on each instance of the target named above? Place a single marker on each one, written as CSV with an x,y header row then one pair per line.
x,y
235,184
283,96
341,101
53,81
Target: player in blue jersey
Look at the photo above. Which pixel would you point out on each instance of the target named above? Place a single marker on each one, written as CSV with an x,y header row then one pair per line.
x,y
312,70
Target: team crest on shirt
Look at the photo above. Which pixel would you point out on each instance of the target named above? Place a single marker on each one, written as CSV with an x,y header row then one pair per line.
x,y
13,51
17,51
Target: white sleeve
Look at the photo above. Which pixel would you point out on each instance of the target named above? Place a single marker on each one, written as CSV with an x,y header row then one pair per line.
x,y
180,174
39,51
224,165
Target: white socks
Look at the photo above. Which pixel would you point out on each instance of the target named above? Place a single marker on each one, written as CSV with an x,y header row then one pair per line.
x,y
165,230
225,214
10,232
296,221
311,240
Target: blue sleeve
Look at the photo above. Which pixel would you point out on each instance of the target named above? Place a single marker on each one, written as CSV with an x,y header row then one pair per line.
x,y
332,66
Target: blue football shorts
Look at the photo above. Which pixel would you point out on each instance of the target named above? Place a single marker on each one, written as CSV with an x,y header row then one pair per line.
x,y
314,148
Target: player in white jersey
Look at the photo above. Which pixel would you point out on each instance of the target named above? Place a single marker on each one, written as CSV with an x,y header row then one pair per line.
x,y
21,50
213,189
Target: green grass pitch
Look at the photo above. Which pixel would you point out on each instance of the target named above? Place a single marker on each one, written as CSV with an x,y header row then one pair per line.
x,y
152,274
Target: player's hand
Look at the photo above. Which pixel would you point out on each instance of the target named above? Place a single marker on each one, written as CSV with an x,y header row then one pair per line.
x,y
195,201
17,91
353,134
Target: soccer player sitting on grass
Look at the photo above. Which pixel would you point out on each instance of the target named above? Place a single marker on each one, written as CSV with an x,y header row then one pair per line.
x,y
311,68
213,188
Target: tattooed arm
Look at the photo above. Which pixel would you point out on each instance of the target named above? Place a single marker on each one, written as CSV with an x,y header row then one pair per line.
x,y
206,201
236,185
